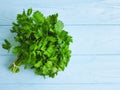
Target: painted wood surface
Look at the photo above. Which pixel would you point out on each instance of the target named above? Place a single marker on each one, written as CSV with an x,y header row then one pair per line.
x,y
95,28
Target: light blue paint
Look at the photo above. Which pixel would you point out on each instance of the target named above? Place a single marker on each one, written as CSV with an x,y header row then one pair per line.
x,y
95,61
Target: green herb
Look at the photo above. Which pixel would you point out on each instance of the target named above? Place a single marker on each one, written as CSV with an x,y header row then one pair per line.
x,y
43,43
7,45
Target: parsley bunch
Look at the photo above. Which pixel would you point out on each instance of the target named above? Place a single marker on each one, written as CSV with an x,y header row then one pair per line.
x,y
43,44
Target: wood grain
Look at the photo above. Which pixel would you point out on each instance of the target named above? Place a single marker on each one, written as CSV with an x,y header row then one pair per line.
x,y
80,70
95,61
77,12
87,40
62,87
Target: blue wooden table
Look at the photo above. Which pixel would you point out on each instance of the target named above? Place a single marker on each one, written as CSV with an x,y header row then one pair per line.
x,y
95,28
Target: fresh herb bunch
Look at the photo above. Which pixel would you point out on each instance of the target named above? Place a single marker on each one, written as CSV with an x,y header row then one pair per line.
x,y
43,43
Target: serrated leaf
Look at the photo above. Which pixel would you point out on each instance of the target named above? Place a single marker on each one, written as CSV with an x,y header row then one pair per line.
x,y
7,45
59,25
38,64
38,17
54,69
52,19
49,64
29,12
45,70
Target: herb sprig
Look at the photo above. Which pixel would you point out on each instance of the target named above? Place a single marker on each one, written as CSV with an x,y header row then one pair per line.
x,y
43,43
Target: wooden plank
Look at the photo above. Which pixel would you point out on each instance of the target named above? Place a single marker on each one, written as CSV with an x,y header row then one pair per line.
x,y
87,40
70,12
80,70
61,87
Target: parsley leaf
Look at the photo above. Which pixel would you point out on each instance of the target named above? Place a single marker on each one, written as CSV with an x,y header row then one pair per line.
x,y
7,45
43,43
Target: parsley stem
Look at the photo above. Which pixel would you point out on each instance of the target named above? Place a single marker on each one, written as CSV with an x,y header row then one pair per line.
x,y
14,67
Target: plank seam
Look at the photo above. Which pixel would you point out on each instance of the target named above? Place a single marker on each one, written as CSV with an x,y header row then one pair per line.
x,y
81,25
75,55
107,83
